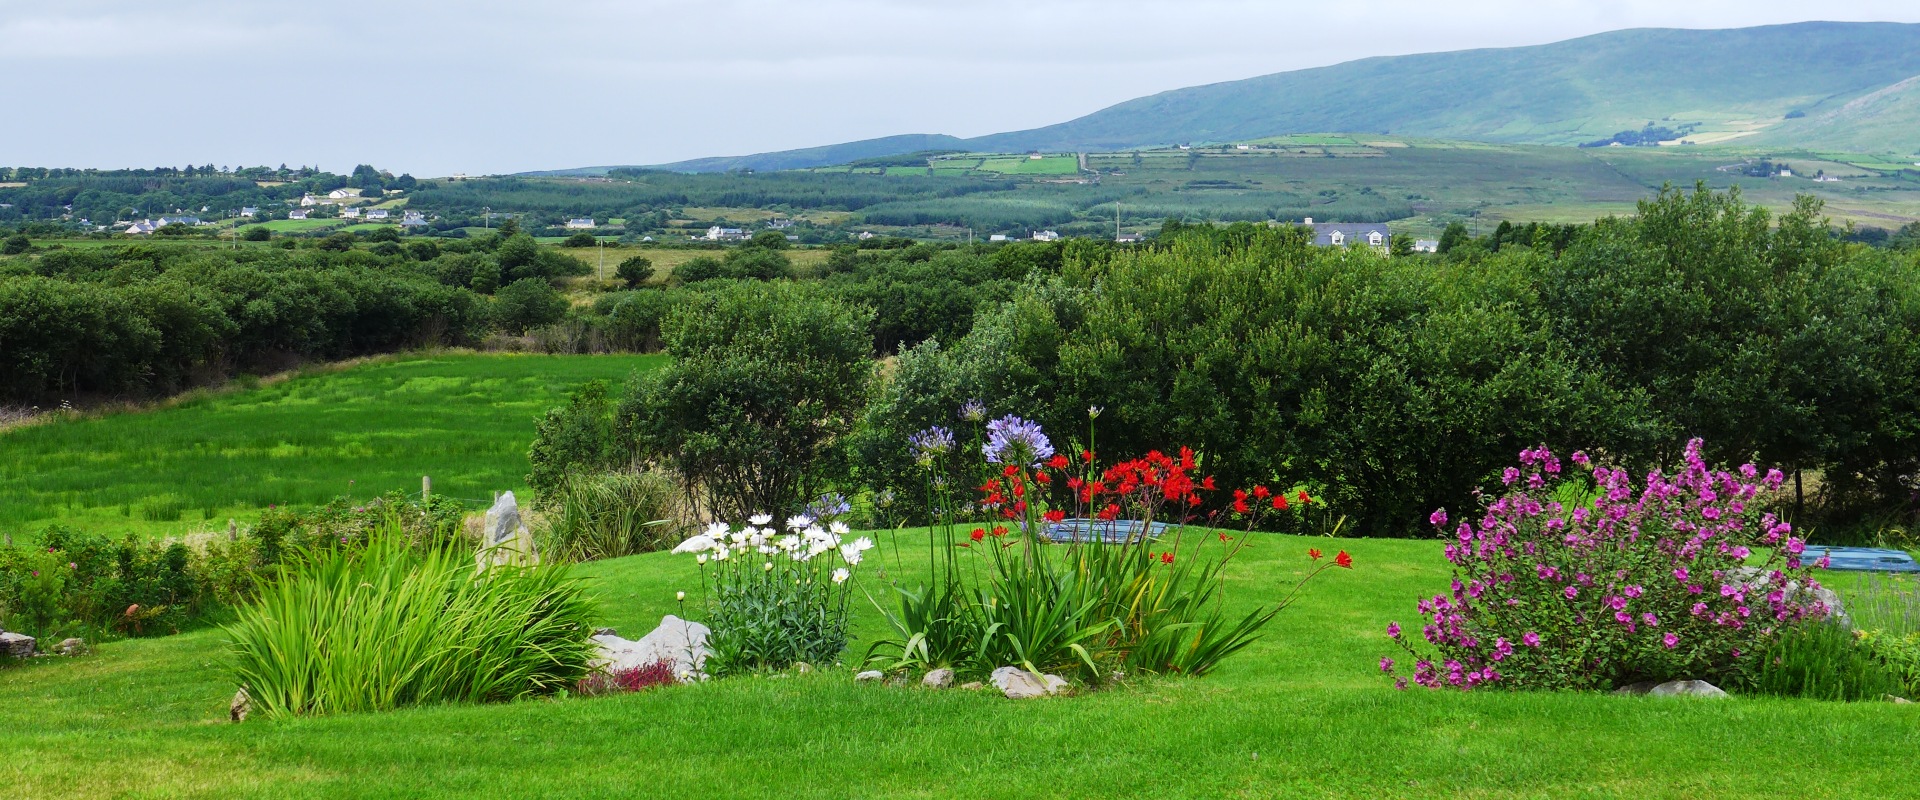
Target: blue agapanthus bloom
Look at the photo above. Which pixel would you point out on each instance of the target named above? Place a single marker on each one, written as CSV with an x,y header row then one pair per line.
x,y
1012,440
973,411
929,443
830,506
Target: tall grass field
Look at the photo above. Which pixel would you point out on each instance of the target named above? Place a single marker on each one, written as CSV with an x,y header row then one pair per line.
x,y
463,419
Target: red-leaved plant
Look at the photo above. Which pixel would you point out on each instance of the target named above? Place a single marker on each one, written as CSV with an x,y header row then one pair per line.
x,y
631,679
1577,581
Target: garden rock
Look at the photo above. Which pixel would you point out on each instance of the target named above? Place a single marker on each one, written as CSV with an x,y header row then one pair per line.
x,y
677,640
1056,684
973,685
71,647
1686,689
17,645
802,667
1019,684
938,679
242,703
1898,700
505,538
869,675
1755,578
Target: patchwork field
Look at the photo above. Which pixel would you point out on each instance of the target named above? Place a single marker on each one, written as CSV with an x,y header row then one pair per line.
x,y
464,419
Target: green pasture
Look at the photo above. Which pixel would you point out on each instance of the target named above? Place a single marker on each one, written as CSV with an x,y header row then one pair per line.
x,y
299,225
463,419
1304,712
1022,165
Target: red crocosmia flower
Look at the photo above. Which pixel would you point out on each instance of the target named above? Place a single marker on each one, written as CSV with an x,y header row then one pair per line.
x,y
1207,483
1110,512
1225,538
1042,478
1304,499
1020,506
1010,470
1087,456
1075,483
978,534
1193,500
1280,502
1261,492
1312,553
1240,507
1166,558
999,530
1019,490
1343,560
1058,461
1186,457
1056,515
1239,494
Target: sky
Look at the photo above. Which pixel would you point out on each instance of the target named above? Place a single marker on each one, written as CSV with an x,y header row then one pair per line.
x,y
484,87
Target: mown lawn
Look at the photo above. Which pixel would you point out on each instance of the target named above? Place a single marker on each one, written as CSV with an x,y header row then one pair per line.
x,y
463,419
1303,713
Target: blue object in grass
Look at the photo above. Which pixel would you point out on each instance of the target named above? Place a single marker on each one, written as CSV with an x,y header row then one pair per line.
x,y
1103,531
1861,559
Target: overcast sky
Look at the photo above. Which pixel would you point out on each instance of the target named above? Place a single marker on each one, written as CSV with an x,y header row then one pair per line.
x,y
435,88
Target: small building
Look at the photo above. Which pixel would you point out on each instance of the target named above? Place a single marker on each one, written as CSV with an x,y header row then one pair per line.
x,y
1426,245
413,219
141,227
1129,238
1045,236
998,237
779,224
165,221
377,213
865,235
249,211
1350,234
717,233
309,201
342,194
580,224
298,213
646,238
350,213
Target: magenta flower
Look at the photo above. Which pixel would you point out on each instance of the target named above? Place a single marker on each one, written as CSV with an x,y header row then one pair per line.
x,y
1386,665
1530,639
1571,591
1393,629
1671,640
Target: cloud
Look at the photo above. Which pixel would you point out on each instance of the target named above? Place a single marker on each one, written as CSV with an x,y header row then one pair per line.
x,y
441,87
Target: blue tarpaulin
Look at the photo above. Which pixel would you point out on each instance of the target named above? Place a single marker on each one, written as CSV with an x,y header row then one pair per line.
x,y
1116,531
1861,559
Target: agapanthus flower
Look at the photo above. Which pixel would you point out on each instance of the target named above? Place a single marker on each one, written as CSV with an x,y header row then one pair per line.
x,y
930,444
973,411
829,506
1015,441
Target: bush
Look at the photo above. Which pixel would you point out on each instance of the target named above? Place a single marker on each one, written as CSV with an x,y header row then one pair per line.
x,y
257,233
1825,661
764,384
611,515
581,239
527,303
392,627
635,271
1579,582
577,438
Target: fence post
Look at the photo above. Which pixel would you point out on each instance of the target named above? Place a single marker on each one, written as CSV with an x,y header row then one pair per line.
x,y
426,489
233,530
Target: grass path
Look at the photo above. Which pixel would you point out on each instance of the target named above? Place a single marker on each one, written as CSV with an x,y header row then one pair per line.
x,y
1302,713
464,419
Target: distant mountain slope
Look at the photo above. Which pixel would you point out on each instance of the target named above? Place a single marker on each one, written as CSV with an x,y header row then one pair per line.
x,y
1841,75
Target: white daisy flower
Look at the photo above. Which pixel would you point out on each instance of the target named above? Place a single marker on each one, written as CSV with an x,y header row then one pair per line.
x,y
679,595
720,555
799,522
760,519
716,529
841,575
702,559
863,544
839,527
850,554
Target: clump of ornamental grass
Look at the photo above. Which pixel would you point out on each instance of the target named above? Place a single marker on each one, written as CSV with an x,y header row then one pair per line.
x,y
392,626
1580,580
611,515
1823,661
774,598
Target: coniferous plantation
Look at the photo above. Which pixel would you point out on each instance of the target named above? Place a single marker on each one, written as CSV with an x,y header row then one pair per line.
x,y
1184,449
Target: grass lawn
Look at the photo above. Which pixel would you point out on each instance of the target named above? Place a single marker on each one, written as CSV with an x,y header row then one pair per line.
x,y
1022,165
298,225
1302,713
464,419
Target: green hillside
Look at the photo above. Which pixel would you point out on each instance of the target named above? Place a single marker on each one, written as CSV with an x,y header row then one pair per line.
x,y
1819,85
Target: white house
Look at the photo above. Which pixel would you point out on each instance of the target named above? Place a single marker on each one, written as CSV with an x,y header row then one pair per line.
x,y
413,219
350,212
249,211
1426,245
865,235
1350,234
1129,238
998,237
779,224
309,200
1045,236
342,194
377,213
165,221
580,223
716,233
144,226
298,213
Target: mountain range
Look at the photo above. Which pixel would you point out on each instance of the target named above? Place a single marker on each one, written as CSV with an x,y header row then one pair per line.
x,y
1831,85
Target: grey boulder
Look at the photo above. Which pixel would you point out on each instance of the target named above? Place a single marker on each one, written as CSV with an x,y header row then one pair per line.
x,y
17,645
869,675
938,679
682,642
1019,684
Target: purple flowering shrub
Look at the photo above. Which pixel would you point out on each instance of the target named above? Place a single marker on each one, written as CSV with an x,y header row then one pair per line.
x,y
1580,581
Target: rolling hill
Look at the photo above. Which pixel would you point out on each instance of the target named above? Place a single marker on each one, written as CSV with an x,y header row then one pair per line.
x,y
1855,86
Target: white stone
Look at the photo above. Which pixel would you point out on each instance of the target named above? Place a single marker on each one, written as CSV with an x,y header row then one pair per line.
x,y
17,645
1686,689
1056,684
938,679
685,643
869,675
1018,684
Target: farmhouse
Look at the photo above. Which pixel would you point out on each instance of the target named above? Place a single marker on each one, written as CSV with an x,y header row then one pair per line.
x,y
1426,245
580,223
140,227
1128,238
413,219
249,211
309,200
779,224
998,237
1045,236
342,194
717,233
298,213
165,221
350,213
1349,234
377,213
